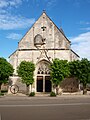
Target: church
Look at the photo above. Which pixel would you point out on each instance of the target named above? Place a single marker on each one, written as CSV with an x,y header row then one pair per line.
x,y
41,44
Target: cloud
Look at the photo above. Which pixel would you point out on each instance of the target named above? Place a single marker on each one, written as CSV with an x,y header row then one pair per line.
x,y
78,3
8,3
87,28
75,3
3,3
84,23
81,45
50,3
14,36
8,22
3,11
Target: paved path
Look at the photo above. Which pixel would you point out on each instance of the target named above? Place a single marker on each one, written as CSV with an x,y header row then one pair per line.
x,y
65,107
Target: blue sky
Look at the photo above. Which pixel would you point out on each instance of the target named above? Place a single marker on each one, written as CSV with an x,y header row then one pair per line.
x,y
17,16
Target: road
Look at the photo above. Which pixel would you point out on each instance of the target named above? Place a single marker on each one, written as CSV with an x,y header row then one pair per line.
x,y
45,108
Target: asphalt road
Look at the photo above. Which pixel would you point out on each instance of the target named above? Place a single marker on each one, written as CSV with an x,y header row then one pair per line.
x,y
45,108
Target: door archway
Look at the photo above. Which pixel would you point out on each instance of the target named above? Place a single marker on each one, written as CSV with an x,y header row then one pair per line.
x,y
43,77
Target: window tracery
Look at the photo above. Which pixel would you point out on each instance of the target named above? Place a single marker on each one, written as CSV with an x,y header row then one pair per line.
x,y
43,69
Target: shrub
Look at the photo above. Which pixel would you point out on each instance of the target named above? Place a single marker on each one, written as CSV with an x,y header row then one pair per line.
x,y
1,94
52,94
32,94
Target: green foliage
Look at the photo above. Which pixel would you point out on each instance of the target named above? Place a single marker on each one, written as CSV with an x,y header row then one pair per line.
x,y
32,94
59,70
84,71
74,68
26,72
1,94
52,94
81,70
6,70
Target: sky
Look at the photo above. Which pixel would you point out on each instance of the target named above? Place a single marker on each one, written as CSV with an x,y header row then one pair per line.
x,y
17,16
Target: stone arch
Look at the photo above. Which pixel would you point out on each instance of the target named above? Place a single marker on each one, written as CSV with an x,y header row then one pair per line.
x,y
43,82
43,67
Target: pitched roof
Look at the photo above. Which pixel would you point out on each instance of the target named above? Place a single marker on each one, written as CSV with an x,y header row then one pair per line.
x,y
61,30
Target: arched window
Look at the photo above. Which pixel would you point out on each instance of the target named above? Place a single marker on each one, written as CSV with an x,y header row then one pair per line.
x,y
43,68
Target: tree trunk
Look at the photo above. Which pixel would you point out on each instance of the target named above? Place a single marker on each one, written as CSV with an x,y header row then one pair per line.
x,y
57,90
27,89
30,88
84,89
79,86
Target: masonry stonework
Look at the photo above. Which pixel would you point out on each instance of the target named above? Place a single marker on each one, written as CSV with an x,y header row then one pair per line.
x,y
41,44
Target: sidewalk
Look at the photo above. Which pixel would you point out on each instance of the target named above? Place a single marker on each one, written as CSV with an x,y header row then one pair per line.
x,y
45,96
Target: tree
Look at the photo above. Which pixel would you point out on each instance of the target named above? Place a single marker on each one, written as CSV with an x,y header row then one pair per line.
x,y
59,70
81,70
74,68
6,70
26,71
84,75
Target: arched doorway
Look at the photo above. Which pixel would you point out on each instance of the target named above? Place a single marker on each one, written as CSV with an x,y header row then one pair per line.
x,y
43,77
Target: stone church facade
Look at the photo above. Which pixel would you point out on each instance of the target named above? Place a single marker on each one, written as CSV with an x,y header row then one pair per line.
x,y
41,44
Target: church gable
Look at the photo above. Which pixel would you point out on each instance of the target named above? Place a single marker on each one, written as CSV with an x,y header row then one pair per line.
x,y
27,41
61,42
41,44
51,36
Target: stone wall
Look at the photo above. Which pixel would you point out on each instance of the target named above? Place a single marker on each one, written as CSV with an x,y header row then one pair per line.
x,y
54,44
